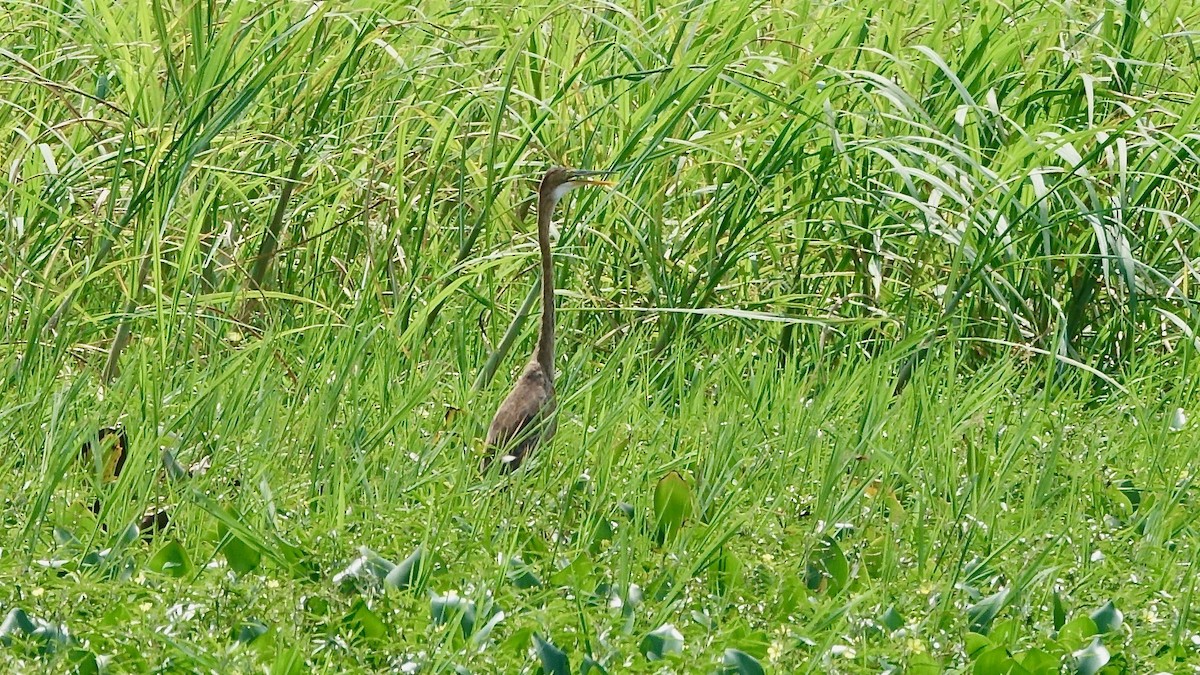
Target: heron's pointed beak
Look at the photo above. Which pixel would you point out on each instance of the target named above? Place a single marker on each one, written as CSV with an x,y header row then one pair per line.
x,y
585,178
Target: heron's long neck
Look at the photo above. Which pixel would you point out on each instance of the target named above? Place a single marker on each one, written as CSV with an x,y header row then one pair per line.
x,y
545,343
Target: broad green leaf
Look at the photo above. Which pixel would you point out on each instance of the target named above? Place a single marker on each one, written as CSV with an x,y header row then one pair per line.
x,y
1090,659
827,570
16,623
662,641
445,608
737,661
242,557
922,664
554,660
1037,661
408,573
1077,632
996,661
672,505
368,565
981,613
85,662
891,619
521,575
172,560
249,631
727,572
1107,618
975,644
129,535
63,537
362,621
1131,492
1060,611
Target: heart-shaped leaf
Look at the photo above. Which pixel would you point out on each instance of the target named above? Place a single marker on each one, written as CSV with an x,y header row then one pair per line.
x,y
249,631
738,661
242,557
662,641
554,660
369,565
445,608
362,621
827,570
672,505
16,624
1090,659
891,619
1060,612
981,613
1076,632
171,560
1108,618
521,575
408,573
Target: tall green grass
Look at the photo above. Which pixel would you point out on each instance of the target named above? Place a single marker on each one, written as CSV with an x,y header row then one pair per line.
x,y
949,249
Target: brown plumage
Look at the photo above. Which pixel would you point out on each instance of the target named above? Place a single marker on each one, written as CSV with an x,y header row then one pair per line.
x,y
525,418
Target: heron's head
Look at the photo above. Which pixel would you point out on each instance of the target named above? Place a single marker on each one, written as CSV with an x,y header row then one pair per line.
x,y
559,180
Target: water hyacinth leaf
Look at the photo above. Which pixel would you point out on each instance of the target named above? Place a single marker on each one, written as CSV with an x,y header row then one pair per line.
x,y
554,660
1076,632
408,573
297,559
316,605
601,536
981,613
129,535
590,665
672,505
171,466
827,570
1037,661
86,662
1006,633
1107,618
445,608
1131,492
64,537
1090,659
728,570
996,661
1059,610
368,565
663,641
242,557
738,661
577,574
483,633
172,560
362,621
975,644
520,575
249,631
891,619
923,664
19,625
16,624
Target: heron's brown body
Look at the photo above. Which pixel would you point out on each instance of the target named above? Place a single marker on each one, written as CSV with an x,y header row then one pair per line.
x,y
526,417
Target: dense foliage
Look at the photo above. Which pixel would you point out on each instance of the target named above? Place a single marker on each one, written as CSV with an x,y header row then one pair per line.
x,y
878,356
